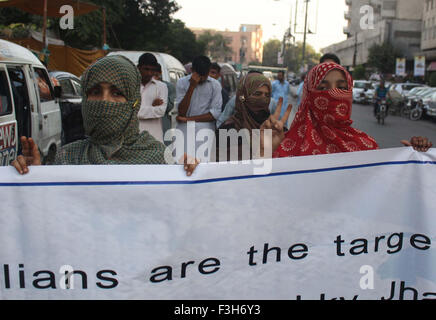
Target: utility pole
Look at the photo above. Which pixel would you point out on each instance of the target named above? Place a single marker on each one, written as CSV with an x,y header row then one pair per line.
x,y
44,34
305,33
355,52
295,19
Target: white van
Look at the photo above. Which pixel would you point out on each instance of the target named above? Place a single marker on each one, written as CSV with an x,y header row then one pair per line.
x,y
172,71
172,68
28,106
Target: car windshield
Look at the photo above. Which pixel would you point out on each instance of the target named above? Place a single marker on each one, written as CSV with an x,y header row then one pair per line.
x,y
416,90
361,85
408,87
422,93
429,93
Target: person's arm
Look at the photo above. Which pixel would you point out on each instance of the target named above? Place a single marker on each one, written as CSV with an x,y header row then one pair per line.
x,y
277,127
216,101
227,113
158,106
186,101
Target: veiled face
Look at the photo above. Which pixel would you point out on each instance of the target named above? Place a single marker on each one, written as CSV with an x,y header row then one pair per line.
x,y
104,91
262,91
335,79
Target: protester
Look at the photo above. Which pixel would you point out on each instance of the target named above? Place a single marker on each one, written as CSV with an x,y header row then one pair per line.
x,y
229,109
381,93
323,124
154,97
252,110
198,99
330,57
110,103
166,119
280,89
215,72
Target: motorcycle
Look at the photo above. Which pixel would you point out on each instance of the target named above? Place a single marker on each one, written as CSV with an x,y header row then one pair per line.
x,y
382,111
417,111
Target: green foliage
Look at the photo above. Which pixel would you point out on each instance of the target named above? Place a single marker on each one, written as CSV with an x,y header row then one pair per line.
x,y
10,16
359,73
293,55
130,25
383,57
270,51
216,46
180,42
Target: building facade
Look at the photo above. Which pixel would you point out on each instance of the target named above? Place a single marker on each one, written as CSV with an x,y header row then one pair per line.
x,y
370,22
246,44
428,37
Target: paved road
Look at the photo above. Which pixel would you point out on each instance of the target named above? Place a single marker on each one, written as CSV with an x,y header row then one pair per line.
x,y
396,128
393,131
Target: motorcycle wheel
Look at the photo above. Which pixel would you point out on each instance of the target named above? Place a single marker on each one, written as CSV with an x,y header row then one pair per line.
x,y
415,114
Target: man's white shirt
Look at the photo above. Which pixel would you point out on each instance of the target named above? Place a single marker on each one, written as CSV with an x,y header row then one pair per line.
x,y
150,117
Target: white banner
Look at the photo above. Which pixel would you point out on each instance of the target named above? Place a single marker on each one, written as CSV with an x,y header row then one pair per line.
x,y
419,70
356,225
400,69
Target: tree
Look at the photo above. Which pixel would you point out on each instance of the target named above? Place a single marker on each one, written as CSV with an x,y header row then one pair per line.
x,y
359,73
270,51
180,42
87,32
293,55
383,57
130,25
432,79
216,46
18,23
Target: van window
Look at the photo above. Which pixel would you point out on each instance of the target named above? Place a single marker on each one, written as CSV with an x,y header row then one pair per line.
x,y
67,87
78,87
5,95
45,90
21,100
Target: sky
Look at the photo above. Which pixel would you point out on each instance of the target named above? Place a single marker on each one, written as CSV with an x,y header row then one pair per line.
x,y
326,17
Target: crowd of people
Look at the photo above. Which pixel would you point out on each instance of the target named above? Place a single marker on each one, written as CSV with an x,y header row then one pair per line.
x,y
126,117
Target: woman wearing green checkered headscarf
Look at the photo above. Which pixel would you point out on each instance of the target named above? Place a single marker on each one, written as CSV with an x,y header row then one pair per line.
x,y
110,104
112,127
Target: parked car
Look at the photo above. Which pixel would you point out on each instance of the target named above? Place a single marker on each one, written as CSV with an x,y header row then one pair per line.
x,y
404,88
430,106
172,69
370,93
28,104
71,106
417,101
398,98
419,94
359,89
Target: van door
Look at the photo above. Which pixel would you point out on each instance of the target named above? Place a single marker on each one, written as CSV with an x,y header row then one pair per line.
x,y
8,124
49,122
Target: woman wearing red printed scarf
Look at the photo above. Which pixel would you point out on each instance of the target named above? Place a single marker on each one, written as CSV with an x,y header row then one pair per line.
x,y
322,124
